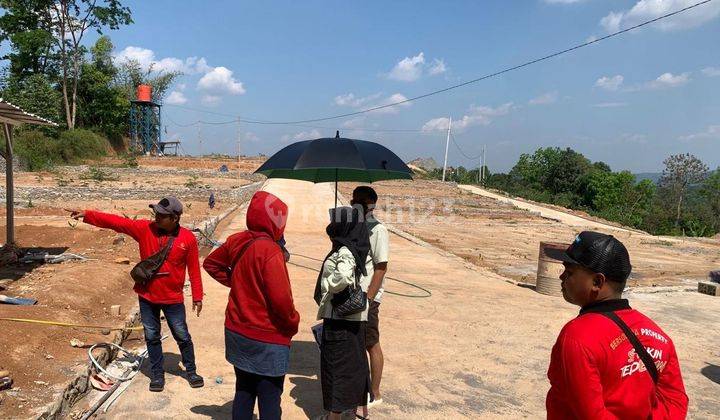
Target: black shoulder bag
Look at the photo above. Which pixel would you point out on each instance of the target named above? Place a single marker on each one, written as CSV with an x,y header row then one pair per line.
x,y
639,348
350,300
146,269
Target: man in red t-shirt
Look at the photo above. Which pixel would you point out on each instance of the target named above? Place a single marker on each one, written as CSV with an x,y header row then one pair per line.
x,y
164,292
599,364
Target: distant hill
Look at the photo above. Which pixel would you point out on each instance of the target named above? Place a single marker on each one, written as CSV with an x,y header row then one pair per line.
x,y
652,176
427,164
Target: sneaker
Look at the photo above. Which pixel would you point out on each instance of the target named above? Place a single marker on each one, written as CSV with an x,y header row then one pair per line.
x,y
157,384
195,380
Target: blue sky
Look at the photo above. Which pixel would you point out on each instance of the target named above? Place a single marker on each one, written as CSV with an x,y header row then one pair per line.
x,y
629,101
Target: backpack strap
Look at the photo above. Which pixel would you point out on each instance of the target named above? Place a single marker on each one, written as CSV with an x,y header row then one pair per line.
x,y
245,248
639,348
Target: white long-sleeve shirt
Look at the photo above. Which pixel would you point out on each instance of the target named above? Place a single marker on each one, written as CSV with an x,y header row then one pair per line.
x,y
338,272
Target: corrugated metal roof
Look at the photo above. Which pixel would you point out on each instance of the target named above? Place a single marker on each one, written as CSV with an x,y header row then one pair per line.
x,y
13,114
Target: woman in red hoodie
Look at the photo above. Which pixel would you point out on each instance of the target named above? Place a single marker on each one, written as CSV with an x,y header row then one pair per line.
x,y
260,318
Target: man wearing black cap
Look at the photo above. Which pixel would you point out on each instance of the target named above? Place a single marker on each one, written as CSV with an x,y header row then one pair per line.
x,y
164,292
611,361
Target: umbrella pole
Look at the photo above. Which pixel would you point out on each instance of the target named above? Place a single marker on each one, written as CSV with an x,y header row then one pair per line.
x,y
336,186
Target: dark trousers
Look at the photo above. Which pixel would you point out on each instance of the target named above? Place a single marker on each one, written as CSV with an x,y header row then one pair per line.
x,y
175,316
267,390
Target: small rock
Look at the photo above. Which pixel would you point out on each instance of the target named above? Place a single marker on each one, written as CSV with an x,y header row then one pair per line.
x,y
76,343
118,240
115,310
122,260
49,356
41,383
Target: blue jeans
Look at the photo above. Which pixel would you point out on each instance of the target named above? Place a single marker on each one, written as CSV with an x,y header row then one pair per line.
x,y
175,316
266,389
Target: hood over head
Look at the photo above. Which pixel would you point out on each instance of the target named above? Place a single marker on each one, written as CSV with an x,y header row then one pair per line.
x,y
267,214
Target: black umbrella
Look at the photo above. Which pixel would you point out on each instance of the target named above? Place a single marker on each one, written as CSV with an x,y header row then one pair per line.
x,y
335,159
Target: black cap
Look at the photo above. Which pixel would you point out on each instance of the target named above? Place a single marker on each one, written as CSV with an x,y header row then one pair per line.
x,y
168,205
597,252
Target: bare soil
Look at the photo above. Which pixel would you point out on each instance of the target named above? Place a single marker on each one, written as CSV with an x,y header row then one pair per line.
x,y
505,239
40,358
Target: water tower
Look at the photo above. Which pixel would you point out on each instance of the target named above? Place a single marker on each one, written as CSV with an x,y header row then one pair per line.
x,y
145,122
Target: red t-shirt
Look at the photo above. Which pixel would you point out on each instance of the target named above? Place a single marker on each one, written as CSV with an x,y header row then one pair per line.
x,y
595,374
167,286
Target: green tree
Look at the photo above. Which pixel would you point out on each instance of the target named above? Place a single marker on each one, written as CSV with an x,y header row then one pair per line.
x,y
680,173
616,196
102,102
131,75
27,25
34,94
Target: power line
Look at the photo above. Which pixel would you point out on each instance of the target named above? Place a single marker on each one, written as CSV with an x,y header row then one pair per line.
x,y
452,136
488,76
236,120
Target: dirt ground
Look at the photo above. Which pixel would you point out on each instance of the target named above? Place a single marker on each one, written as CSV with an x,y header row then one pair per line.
x,y
40,358
477,348
505,239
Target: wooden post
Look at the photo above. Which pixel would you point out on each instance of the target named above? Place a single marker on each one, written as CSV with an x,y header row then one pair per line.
x,y
9,187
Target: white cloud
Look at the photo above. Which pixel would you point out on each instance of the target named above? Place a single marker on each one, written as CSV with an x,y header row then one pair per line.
x,y
437,67
477,115
591,38
351,100
411,69
394,98
633,138
146,58
372,101
650,9
610,105
251,137
610,83
711,71
544,99
712,132
220,81
303,135
669,80
176,98
143,56
210,100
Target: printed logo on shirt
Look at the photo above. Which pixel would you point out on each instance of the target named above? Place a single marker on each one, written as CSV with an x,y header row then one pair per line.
x,y
635,364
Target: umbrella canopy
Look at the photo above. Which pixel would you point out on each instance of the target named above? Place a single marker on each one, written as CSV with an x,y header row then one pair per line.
x,y
335,159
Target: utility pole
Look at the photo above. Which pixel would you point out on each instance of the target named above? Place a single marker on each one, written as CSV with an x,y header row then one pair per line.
x,y
238,146
199,133
447,144
482,166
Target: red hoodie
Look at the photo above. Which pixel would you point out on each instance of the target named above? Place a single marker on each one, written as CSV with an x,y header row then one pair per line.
x,y
163,288
595,374
260,305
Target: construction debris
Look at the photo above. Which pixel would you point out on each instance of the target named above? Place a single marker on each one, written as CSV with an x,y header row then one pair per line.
x,y
709,288
33,257
17,301
715,276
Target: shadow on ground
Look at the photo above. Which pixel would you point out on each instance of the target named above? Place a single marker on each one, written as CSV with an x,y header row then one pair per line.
x,y
304,362
711,372
306,391
171,364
